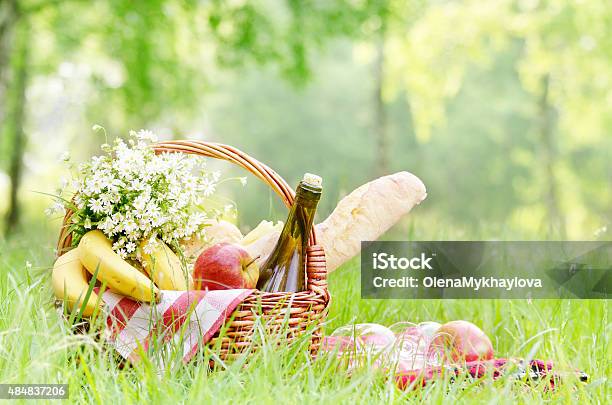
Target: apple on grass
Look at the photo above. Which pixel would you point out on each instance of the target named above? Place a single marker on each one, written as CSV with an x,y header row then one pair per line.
x,y
225,266
459,341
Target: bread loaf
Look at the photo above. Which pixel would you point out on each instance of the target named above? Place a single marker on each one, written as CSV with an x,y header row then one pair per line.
x,y
366,213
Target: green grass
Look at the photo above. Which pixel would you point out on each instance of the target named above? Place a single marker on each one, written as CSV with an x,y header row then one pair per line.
x,y
36,347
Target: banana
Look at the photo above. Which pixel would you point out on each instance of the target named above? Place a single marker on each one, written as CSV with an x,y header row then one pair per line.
x,y
96,252
164,267
70,283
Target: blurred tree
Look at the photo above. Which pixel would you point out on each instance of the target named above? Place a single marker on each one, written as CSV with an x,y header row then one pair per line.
x,y
283,33
15,71
15,114
388,19
8,19
380,126
164,71
9,15
565,62
14,52
547,113
251,31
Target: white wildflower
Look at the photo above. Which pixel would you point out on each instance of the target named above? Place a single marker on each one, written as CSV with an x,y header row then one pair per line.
x,y
131,194
140,203
56,207
79,201
146,135
97,163
107,199
96,206
208,187
197,218
130,247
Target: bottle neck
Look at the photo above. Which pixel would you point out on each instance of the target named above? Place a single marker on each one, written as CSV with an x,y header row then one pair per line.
x,y
284,269
307,195
301,214
305,200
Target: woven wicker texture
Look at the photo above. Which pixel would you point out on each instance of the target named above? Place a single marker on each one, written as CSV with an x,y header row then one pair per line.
x,y
292,312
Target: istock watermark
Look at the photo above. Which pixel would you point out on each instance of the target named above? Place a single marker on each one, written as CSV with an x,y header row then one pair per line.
x,y
467,269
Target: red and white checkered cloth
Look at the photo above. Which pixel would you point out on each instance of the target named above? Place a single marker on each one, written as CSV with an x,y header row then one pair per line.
x,y
187,318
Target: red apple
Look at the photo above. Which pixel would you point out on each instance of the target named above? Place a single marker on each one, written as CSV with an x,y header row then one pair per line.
x,y
462,341
225,266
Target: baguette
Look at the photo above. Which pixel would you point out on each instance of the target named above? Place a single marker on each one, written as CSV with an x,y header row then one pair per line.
x,y
366,213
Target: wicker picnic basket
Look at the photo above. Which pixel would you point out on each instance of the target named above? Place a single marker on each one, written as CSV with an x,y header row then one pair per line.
x,y
296,312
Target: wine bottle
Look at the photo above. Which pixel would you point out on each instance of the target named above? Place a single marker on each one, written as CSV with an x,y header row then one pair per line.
x,y
285,268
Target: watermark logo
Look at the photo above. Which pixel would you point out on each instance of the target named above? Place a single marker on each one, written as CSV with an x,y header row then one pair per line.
x,y
503,270
384,261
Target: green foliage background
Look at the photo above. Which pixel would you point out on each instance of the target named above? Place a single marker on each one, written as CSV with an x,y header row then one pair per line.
x,y
294,84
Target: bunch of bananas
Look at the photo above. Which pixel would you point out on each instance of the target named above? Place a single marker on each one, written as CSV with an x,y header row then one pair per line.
x,y
94,254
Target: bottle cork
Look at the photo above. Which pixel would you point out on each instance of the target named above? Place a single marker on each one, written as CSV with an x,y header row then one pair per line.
x,y
313,180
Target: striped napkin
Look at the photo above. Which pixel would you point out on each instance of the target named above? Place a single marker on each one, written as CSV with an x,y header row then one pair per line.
x,y
181,318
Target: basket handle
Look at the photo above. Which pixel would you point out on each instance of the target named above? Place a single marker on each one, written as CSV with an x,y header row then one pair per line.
x,y
236,156
316,267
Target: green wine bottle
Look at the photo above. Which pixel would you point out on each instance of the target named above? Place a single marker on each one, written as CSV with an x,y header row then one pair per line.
x,y
285,269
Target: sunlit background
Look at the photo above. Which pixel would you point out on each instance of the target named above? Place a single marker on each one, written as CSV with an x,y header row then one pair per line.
x,y
501,107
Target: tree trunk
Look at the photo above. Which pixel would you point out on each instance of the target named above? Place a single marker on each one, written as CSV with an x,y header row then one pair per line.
x,y
556,222
15,117
8,19
380,119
